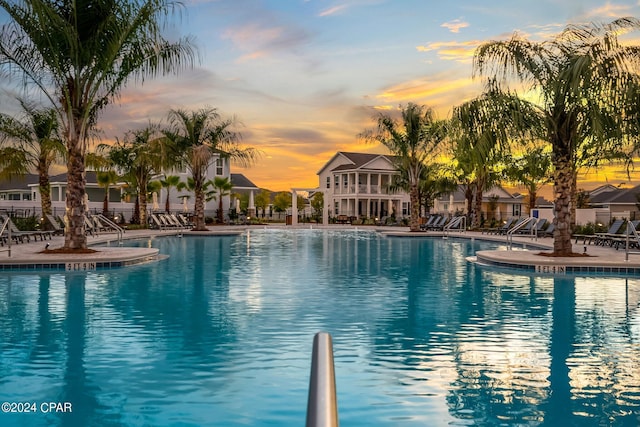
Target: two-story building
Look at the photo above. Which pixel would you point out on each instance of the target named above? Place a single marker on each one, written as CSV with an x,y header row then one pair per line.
x,y
357,185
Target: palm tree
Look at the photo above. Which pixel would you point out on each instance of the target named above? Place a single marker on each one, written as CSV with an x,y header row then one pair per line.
x,y
532,170
80,54
198,138
413,142
222,187
31,144
168,182
582,80
139,156
482,130
105,180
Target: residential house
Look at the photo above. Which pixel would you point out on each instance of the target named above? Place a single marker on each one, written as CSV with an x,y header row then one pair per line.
x,y
497,203
357,185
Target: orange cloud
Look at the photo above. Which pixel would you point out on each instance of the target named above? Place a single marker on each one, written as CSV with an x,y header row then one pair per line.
x,y
455,26
452,50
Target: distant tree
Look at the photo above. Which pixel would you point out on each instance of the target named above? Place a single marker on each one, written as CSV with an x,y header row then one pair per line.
x,y
282,201
262,200
533,169
105,180
198,138
222,187
414,140
317,204
169,182
31,143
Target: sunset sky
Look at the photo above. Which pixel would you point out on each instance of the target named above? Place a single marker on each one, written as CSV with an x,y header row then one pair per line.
x,y
305,77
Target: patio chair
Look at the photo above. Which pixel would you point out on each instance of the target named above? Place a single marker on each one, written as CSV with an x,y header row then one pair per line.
x,y
619,241
19,236
606,239
547,232
53,224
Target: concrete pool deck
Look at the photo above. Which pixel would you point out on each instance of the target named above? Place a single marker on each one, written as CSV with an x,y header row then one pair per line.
x,y
28,256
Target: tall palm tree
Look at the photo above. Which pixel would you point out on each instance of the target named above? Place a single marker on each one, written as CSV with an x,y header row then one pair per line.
x,y
79,54
413,141
198,138
168,182
105,180
584,85
31,143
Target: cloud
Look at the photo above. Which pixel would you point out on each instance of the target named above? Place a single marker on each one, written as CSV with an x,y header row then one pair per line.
x,y
452,50
438,91
333,10
609,10
258,39
455,26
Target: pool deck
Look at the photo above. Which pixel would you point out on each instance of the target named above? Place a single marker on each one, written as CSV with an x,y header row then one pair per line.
x,y
28,256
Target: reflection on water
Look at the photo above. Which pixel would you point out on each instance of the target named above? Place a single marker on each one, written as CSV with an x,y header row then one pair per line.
x,y
220,335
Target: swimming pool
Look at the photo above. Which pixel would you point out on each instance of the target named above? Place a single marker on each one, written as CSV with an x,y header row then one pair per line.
x,y
220,334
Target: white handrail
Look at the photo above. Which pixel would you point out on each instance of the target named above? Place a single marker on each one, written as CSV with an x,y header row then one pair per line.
x,y
5,226
631,228
113,225
517,227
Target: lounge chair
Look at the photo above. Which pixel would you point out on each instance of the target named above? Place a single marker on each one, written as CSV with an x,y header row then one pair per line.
x,y
18,235
621,240
53,224
547,232
606,239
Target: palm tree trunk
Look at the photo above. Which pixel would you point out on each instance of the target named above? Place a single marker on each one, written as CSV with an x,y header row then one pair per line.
x,y
74,236
43,186
220,213
563,176
198,221
142,196
414,220
45,195
480,183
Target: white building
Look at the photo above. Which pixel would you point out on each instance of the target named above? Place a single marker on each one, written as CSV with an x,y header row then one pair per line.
x,y
357,185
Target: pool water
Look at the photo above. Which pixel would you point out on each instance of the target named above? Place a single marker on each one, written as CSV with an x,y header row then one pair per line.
x,y
220,334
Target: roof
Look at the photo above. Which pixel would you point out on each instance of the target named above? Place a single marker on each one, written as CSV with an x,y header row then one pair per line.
x,y
356,160
240,181
458,195
20,183
629,196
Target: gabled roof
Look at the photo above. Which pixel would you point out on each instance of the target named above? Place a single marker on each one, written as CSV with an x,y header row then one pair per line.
x,y
504,195
623,197
355,160
240,181
604,194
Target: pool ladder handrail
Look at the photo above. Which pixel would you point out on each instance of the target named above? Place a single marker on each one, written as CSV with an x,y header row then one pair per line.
x,y
119,230
322,406
631,228
459,222
5,226
519,226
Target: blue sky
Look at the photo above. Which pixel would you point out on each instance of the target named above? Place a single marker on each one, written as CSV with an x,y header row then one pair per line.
x,y
305,77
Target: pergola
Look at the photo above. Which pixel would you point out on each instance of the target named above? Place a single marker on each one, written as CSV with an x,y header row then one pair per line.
x,y
294,206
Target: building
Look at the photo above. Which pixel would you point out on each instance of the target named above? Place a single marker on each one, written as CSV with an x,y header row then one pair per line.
x,y
497,203
357,185
21,196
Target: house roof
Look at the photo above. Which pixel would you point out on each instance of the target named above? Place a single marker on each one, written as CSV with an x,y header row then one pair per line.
x,y
240,181
356,160
628,196
503,195
18,183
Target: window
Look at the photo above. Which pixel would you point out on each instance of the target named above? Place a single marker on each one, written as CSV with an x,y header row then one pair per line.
x,y
219,167
517,210
405,208
328,182
336,210
336,180
345,181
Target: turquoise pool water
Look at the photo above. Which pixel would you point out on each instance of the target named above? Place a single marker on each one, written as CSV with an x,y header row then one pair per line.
x,y
220,334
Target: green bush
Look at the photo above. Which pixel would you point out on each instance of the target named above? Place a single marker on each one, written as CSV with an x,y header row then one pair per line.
x,y
29,223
